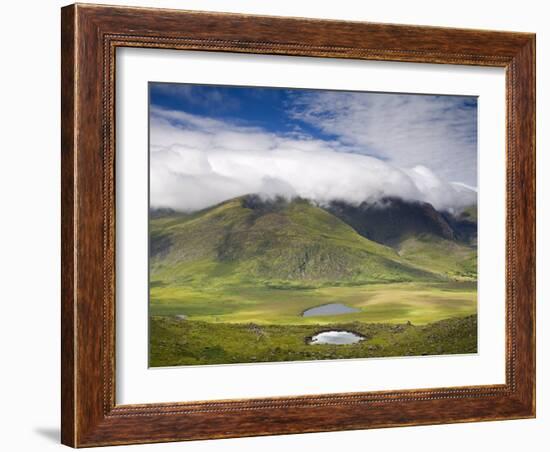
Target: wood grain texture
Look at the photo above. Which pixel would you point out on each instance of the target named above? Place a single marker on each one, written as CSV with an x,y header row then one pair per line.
x,y
68,244
90,36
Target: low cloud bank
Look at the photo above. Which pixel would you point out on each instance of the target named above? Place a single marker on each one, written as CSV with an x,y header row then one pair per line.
x,y
198,162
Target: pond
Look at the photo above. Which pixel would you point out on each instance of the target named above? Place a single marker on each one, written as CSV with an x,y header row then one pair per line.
x,y
329,309
335,338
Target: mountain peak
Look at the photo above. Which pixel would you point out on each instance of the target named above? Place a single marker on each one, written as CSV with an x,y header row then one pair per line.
x,y
391,220
277,239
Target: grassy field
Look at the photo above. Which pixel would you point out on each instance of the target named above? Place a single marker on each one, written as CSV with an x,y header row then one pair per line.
x,y
259,324
418,303
181,342
230,284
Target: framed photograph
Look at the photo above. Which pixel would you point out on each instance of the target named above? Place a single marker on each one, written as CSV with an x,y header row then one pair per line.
x,y
281,225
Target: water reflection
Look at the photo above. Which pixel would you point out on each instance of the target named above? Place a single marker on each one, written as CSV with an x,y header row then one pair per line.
x,y
336,338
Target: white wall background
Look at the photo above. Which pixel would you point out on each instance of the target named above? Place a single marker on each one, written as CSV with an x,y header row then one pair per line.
x,y
29,226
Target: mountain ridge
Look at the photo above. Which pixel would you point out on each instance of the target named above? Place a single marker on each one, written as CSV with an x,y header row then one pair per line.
x,y
253,240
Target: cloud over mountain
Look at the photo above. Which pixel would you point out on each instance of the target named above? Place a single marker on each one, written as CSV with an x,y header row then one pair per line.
x,y
197,162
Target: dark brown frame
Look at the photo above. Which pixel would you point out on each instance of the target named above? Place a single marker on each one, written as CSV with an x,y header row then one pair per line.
x,y
90,35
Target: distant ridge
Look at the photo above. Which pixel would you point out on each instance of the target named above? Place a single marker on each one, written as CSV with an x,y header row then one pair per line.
x,y
253,240
391,220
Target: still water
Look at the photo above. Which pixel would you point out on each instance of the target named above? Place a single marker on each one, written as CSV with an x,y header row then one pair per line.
x,y
329,309
336,338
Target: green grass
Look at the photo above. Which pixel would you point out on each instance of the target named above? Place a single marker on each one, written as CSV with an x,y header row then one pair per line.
x,y
244,275
231,244
418,303
183,342
452,259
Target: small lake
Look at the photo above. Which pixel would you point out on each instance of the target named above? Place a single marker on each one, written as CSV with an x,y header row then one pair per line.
x,y
335,338
329,309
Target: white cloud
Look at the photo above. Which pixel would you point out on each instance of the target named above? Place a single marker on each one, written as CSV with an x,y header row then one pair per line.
x,y
438,132
197,162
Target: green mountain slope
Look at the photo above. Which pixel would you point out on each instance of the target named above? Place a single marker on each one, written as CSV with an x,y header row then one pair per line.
x,y
438,242
451,258
246,240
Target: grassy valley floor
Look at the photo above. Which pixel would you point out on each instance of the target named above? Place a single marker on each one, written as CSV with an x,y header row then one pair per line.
x,y
230,283
190,326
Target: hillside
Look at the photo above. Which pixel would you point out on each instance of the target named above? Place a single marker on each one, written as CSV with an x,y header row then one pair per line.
x,y
247,240
392,220
449,257
233,283
436,241
177,343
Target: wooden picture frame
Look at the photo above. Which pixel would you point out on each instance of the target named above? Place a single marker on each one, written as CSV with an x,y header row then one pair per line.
x,y
90,36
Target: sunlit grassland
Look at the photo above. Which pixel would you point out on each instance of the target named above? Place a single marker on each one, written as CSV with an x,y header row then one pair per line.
x,y
181,342
230,284
447,257
418,303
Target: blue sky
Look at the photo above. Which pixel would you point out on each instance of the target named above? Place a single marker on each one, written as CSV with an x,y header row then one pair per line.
x,y
221,141
267,108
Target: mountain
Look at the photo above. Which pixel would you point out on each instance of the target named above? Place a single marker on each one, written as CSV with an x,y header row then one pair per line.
x,y
436,241
250,240
455,260
464,224
391,220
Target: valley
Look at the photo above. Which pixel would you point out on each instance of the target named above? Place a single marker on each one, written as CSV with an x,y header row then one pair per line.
x,y
231,283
